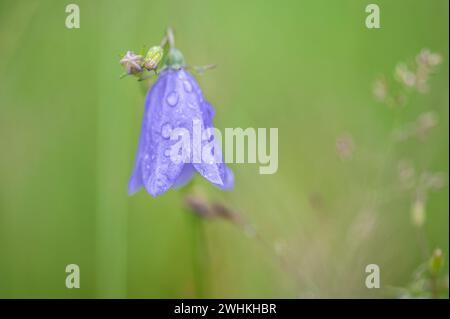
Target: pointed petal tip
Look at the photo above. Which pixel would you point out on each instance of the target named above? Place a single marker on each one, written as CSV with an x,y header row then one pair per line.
x,y
131,192
228,180
155,192
158,185
133,186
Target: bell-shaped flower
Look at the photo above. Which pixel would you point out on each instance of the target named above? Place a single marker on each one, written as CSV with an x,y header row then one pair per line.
x,y
177,137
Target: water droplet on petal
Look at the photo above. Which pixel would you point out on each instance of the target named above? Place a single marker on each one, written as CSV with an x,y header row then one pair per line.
x,y
161,181
166,130
187,86
167,152
172,98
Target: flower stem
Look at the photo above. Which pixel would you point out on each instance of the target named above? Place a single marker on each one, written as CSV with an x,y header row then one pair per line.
x,y
199,247
199,254
170,38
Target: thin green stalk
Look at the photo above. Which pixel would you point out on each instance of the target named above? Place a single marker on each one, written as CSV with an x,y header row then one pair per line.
x,y
199,247
199,255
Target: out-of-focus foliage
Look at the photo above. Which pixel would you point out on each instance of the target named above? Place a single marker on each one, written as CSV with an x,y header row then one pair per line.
x,y
363,151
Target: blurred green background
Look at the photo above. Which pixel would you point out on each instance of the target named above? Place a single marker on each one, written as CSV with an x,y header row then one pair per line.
x,y
69,130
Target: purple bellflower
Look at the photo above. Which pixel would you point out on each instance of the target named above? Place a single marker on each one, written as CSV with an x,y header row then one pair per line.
x,y
174,102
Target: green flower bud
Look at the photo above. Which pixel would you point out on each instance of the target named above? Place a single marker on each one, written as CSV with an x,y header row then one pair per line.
x,y
153,57
436,262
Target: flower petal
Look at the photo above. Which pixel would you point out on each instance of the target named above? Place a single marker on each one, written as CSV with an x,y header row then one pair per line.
x,y
216,171
175,102
228,181
154,167
185,176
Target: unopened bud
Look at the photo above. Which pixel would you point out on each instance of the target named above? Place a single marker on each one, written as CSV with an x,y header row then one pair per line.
x,y
153,58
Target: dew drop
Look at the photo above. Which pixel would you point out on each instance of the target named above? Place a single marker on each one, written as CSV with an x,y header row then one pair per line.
x,y
167,152
187,86
161,181
172,98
